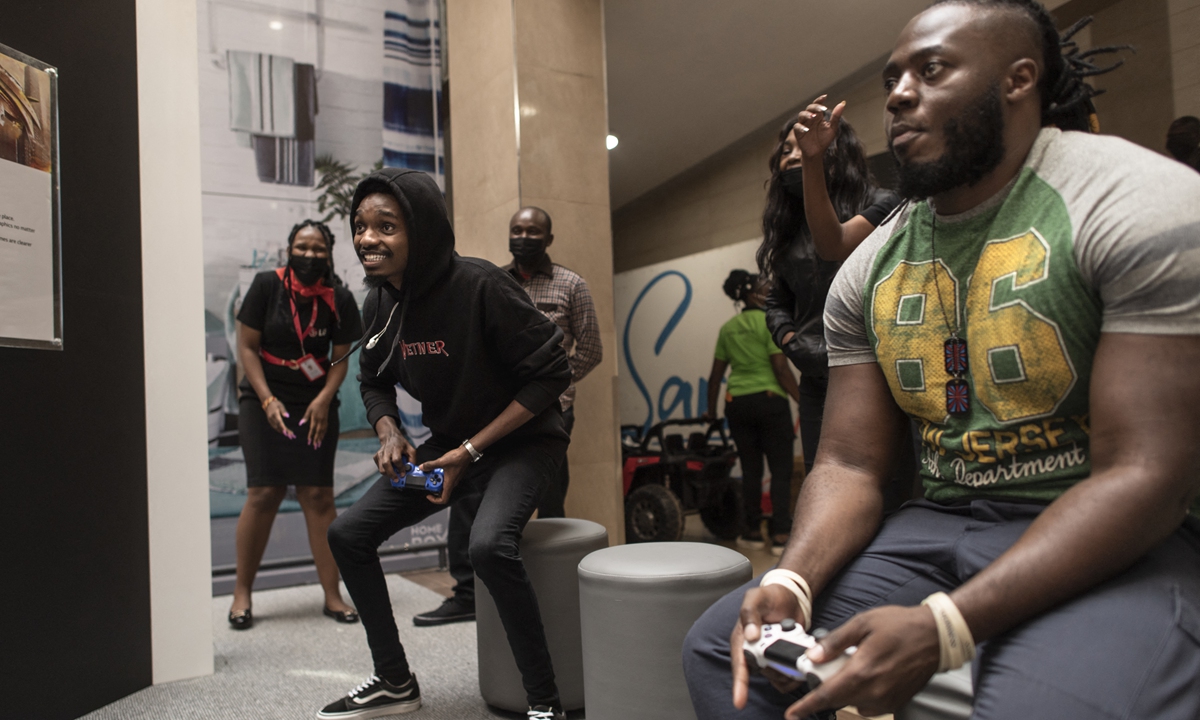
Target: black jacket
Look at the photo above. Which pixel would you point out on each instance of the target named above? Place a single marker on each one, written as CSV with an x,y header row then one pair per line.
x,y
796,302
464,340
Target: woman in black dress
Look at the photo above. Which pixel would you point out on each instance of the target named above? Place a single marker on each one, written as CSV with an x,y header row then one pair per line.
x,y
821,203
288,409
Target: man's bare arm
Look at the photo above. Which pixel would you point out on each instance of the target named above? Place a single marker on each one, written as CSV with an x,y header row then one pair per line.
x,y
841,504
1145,443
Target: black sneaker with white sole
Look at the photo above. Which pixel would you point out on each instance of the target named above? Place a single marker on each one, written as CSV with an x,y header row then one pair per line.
x,y
374,698
546,712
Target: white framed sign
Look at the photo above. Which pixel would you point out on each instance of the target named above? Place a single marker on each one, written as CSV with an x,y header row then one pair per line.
x,y
30,247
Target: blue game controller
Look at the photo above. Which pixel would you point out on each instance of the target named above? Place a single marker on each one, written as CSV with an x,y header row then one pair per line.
x,y
414,479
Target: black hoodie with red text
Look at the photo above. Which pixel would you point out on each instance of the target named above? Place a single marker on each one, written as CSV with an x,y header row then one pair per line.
x,y
461,336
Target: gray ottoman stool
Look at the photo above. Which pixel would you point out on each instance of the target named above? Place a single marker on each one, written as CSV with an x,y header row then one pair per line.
x,y
551,549
637,603
948,696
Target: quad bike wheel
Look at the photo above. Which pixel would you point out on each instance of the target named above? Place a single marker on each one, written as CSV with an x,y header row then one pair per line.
x,y
653,514
723,517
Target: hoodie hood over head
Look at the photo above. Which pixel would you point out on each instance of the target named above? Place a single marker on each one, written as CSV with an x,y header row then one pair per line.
x,y
461,336
430,237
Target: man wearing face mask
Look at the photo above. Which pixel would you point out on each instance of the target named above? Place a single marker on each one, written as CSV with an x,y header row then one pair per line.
x,y
563,296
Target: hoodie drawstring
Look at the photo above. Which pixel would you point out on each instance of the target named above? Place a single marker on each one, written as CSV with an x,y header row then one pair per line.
x,y
371,343
399,329
364,339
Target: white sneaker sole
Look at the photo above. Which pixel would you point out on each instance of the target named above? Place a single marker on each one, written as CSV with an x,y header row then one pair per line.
x,y
399,708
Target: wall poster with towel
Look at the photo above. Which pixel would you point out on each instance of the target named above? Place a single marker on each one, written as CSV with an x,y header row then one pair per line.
x,y
286,87
30,279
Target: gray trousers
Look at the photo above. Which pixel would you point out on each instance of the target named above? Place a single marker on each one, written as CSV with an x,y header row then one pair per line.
x,y
1129,648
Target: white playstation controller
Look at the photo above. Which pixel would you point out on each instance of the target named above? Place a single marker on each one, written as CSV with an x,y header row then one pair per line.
x,y
782,648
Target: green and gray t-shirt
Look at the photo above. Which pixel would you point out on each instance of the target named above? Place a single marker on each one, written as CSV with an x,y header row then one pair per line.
x,y
1094,235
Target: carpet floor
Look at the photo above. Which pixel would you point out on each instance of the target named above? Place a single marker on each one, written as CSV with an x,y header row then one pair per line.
x,y
294,661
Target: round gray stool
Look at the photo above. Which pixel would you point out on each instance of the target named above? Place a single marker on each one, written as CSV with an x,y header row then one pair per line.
x,y
637,602
551,549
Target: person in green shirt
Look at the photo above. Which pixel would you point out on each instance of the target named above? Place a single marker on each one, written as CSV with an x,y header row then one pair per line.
x,y
756,407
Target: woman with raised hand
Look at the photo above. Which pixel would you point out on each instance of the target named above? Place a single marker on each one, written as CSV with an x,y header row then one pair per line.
x,y
821,203
290,320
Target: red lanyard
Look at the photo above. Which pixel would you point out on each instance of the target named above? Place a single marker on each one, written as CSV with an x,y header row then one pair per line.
x,y
300,335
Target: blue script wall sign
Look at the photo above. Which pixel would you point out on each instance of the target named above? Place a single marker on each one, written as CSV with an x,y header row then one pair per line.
x,y
675,393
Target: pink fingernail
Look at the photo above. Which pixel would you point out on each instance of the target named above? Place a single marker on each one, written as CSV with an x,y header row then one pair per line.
x,y
286,415
304,421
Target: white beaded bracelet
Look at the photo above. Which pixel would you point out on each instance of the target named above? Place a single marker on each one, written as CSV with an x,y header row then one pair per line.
x,y
797,585
955,643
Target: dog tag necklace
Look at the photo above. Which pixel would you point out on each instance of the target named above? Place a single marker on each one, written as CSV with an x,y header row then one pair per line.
x,y
958,393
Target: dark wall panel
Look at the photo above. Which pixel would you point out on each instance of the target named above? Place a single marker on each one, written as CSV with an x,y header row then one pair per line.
x,y
75,620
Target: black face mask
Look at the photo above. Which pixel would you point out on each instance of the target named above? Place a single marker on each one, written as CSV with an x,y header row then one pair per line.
x,y
793,181
526,250
308,269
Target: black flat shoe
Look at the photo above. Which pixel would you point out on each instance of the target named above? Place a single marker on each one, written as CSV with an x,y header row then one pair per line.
x,y
348,616
241,620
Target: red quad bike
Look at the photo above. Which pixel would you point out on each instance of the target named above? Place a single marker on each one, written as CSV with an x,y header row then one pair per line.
x,y
668,474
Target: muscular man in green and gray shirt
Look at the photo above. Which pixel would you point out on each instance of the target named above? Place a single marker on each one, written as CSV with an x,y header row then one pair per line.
x,y
1036,309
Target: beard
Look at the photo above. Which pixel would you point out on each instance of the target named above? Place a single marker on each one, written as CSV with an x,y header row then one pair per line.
x,y
374,281
974,147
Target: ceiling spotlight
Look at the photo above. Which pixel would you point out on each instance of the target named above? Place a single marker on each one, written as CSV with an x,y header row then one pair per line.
x,y
276,25
611,141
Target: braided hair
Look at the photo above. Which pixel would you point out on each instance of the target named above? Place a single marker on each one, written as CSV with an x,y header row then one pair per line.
x,y
331,279
740,284
1066,97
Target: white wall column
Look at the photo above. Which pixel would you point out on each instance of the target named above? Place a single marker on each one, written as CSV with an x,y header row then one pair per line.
x,y
173,311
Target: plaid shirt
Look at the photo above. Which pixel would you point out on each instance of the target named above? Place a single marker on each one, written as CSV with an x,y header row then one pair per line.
x,y
563,297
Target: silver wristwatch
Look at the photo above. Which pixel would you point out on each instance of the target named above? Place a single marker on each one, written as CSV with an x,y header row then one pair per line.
x,y
475,454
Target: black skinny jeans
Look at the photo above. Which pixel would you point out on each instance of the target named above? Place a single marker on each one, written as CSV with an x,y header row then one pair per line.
x,y
761,424
462,516
510,478
554,499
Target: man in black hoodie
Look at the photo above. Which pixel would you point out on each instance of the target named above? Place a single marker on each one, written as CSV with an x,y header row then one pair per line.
x,y
462,337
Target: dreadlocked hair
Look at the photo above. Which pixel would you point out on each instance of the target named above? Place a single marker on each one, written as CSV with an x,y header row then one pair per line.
x,y
847,177
331,279
1066,97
